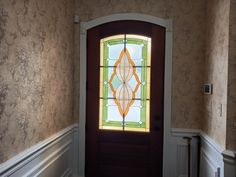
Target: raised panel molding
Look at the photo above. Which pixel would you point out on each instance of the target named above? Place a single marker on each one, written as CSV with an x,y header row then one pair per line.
x,y
214,160
182,156
208,166
57,156
212,164
53,157
180,149
45,164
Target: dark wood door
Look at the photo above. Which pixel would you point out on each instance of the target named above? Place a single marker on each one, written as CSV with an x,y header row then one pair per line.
x,y
111,153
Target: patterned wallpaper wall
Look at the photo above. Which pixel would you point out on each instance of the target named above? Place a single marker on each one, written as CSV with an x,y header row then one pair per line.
x,y
216,67
36,65
231,116
36,71
188,47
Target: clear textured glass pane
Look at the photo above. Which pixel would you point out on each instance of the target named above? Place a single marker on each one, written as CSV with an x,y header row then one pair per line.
x,y
134,114
125,82
135,51
113,112
132,83
114,51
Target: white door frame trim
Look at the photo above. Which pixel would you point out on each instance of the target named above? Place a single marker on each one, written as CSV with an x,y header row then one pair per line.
x,y
84,26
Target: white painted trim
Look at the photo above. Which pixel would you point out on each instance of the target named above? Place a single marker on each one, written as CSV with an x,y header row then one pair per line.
x,y
67,173
211,142
44,164
82,101
211,152
229,153
84,26
185,132
126,16
204,136
211,161
229,163
229,157
26,156
215,155
76,148
167,98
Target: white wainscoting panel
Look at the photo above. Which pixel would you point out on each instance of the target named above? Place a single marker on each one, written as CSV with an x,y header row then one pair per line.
x,y
211,158
208,167
182,160
214,160
180,153
57,156
53,157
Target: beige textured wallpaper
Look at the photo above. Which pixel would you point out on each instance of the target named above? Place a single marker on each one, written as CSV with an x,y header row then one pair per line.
x,y
188,48
36,71
38,95
231,117
216,67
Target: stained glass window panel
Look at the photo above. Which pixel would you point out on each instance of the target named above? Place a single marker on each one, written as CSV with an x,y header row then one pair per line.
x,y
125,83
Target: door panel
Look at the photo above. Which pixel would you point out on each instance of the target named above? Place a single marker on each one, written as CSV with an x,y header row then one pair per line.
x,y
111,153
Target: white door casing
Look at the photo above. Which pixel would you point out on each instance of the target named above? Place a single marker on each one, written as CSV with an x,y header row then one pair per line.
x,y
84,26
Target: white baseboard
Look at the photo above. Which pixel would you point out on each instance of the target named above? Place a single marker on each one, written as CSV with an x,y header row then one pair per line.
x,y
51,157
